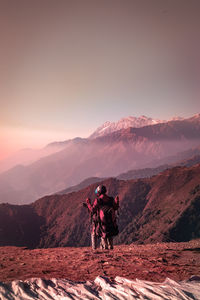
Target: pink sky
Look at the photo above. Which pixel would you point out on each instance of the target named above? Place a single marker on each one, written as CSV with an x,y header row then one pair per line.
x,y
69,66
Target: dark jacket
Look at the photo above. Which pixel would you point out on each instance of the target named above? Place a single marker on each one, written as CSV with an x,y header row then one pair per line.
x,y
103,211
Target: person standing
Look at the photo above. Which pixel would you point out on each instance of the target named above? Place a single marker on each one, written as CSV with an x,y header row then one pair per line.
x,y
104,223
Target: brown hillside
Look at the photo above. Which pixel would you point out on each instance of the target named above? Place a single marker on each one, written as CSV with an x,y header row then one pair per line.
x,y
162,208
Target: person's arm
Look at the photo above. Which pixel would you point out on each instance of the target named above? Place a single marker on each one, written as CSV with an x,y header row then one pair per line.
x,y
88,202
92,208
116,203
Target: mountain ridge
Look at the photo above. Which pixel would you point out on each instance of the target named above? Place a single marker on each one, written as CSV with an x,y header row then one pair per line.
x,y
106,156
162,208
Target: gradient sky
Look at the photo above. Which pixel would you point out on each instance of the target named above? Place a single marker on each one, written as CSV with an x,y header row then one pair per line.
x,y
68,66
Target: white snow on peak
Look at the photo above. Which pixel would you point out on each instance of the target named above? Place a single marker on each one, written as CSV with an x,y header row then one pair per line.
x,y
135,122
123,123
104,128
155,121
196,116
176,118
100,288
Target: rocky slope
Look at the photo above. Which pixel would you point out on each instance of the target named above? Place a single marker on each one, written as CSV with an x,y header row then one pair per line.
x,y
162,208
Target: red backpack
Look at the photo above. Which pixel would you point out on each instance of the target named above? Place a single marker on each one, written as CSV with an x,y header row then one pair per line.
x,y
107,217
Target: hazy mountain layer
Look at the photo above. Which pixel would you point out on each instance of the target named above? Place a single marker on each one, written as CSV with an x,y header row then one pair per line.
x,y
107,156
193,159
27,156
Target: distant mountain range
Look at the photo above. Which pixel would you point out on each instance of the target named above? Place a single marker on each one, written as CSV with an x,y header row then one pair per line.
x,y
28,156
124,123
164,207
105,156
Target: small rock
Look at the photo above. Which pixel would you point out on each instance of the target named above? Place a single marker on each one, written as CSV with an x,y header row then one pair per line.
x,y
102,261
162,259
194,278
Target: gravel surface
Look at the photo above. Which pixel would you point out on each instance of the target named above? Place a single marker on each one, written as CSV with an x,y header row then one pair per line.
x,y
154,262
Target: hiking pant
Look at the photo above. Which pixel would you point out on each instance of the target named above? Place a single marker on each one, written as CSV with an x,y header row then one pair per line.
x,y
94,240
107,243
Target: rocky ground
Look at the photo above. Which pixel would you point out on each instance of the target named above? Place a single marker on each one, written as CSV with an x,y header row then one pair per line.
x,y
153,262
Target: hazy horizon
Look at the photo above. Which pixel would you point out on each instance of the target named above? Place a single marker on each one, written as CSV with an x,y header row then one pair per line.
x,y
69,66
44,138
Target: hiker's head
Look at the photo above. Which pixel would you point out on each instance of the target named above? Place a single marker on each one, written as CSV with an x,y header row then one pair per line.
x,y
100,190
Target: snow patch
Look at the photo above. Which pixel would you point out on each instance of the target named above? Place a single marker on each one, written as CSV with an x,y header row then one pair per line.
x,y
101,288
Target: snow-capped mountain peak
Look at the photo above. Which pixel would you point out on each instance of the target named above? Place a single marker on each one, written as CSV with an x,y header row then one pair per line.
x,y
130,121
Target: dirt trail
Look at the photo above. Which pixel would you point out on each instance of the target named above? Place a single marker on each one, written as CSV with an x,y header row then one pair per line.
x,y
155,262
